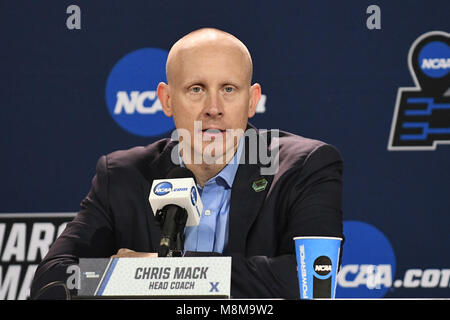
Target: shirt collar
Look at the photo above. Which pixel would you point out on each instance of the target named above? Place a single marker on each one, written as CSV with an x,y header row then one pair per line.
x,y
228,173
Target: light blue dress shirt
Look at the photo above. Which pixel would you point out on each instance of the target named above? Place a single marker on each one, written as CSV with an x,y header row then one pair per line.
x,y
211,235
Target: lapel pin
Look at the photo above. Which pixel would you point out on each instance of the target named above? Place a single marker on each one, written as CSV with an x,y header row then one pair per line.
x,y
259,184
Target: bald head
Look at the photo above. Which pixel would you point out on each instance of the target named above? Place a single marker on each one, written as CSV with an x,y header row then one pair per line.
x,y
207,39
209,74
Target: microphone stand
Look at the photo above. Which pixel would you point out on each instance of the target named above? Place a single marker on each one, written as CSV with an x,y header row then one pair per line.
x,y
173,219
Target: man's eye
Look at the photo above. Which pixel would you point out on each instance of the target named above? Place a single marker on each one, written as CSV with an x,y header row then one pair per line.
x,y
196,89
229,89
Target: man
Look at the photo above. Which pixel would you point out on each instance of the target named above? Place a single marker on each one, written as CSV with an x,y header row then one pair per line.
x,y
249,215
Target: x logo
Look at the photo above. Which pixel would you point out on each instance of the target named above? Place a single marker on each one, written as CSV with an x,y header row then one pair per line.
x,y
214,287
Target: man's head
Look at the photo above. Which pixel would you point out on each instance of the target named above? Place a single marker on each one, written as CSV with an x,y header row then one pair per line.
x,y
209,75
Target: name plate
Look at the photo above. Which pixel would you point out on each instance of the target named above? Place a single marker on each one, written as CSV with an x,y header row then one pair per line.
x,y
156,277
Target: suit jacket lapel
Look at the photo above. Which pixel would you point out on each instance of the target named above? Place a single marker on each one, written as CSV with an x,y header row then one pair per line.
x,y
246,202
164,164
245,206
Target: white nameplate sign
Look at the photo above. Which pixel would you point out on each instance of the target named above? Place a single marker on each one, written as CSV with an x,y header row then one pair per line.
x,y
163,277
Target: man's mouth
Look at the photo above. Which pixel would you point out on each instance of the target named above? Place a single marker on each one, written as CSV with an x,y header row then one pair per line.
x,y
213,132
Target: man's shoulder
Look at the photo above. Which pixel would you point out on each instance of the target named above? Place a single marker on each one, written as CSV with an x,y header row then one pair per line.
x,y
299,149
139,157
297,156
293,144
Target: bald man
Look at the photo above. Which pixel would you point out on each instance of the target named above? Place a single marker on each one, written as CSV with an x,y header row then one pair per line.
x,y
249,214
209,75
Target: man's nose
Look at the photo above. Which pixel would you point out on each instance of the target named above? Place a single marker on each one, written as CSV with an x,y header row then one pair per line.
x,y
213,107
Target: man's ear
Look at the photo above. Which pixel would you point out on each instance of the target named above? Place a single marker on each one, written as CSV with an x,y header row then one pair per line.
x,y
163,92
255,95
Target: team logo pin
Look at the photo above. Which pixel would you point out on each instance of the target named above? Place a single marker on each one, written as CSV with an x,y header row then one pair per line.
x,y
259,184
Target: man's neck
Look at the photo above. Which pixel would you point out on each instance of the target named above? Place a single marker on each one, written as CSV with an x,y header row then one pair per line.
x,y
204,172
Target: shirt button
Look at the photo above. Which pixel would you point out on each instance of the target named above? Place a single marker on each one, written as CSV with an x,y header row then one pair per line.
x,y
207,212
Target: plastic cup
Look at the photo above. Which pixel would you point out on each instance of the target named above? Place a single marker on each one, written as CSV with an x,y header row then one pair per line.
x,y
317,265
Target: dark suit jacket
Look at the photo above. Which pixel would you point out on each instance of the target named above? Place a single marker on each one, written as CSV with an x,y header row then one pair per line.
x,y
302,198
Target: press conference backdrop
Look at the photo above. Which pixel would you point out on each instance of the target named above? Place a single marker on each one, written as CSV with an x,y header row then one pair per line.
x,y
78,81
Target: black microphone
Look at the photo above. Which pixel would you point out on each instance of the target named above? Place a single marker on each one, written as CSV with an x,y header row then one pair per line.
x,y
176,202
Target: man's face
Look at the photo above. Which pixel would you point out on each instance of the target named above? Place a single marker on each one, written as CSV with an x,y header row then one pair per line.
x,y
209,96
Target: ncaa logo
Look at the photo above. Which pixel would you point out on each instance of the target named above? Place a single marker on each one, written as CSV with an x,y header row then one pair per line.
x,y
421,117
131,93
162,188
323,266
434,59
368,262
193,196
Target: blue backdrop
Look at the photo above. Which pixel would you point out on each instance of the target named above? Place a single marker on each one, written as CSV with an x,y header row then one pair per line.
x,y
323,72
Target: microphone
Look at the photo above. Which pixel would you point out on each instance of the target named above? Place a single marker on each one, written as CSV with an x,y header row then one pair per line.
x,y
176,204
